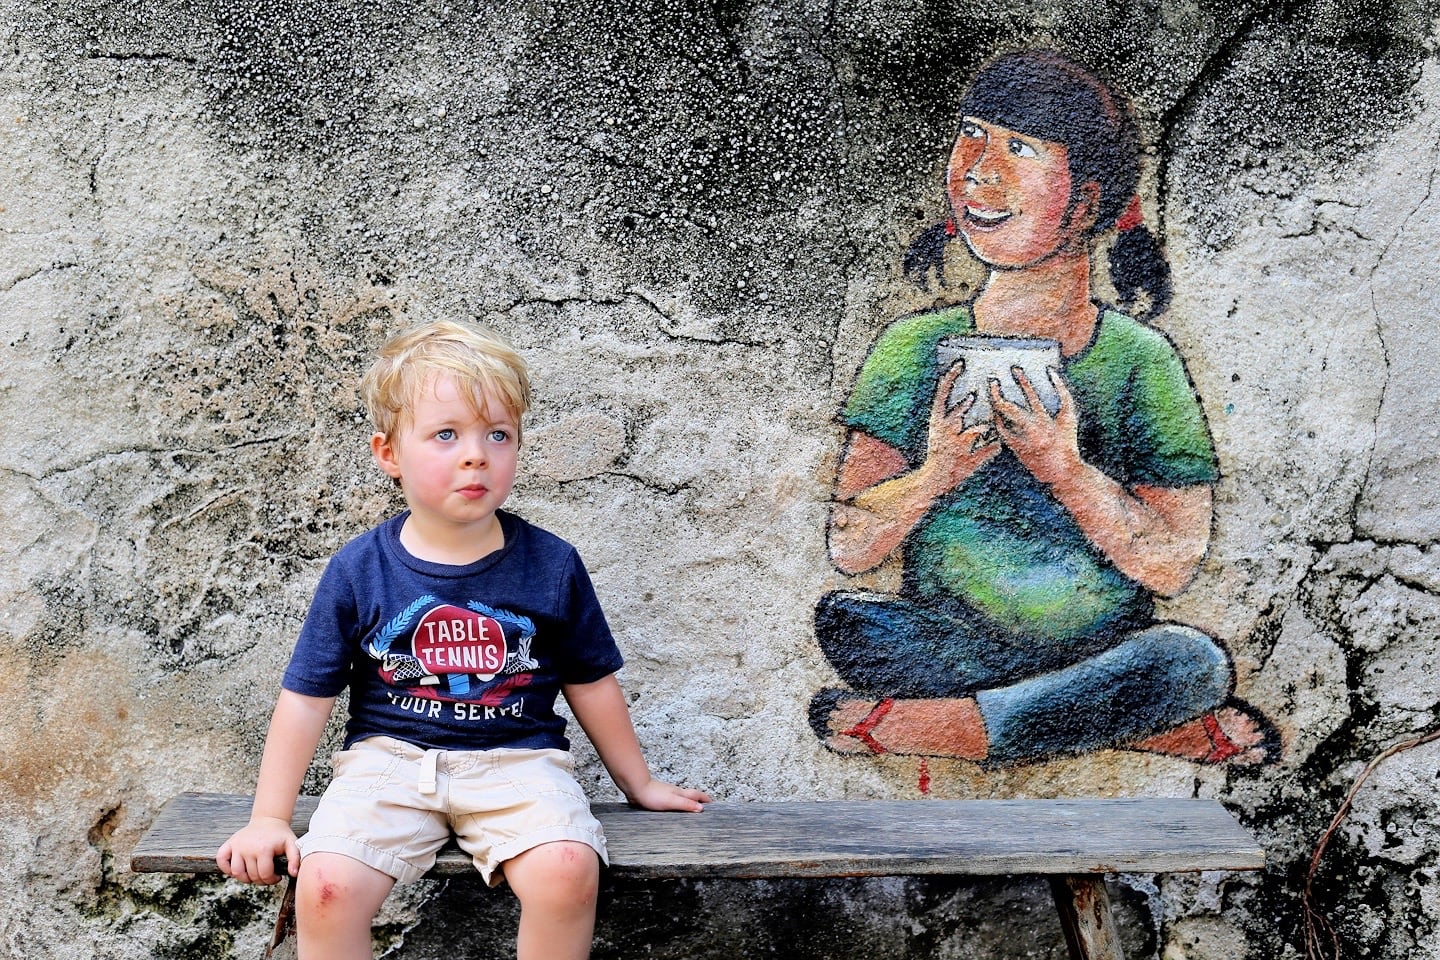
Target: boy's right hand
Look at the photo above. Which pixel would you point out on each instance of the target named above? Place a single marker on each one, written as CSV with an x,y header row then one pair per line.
x,y
249,855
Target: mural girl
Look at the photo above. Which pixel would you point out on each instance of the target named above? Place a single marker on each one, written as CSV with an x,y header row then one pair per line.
x,y
1033,542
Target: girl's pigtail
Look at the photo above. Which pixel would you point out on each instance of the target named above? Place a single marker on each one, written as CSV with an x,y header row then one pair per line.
x,y
927,253
1138,265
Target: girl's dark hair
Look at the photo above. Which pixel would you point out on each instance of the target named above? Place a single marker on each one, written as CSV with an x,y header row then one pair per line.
x,y
1048,96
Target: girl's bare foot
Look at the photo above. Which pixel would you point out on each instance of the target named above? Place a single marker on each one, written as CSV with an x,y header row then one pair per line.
x,y
849,723
1234,733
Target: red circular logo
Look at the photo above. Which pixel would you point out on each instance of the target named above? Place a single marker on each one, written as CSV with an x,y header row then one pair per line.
x,y
449,639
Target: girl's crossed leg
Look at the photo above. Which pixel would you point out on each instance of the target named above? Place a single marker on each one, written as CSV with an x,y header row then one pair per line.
x,y
946,689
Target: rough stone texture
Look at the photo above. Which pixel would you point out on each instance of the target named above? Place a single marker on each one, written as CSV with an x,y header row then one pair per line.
x,y
690,218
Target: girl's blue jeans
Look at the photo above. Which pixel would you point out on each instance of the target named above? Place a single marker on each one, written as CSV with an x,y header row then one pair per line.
x,y
1039,697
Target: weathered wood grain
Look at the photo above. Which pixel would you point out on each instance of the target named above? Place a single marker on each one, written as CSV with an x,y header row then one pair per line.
x,y
826,838
1085,917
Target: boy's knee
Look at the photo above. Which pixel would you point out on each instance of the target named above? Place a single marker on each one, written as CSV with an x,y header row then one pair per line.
x,y
562,872
337,890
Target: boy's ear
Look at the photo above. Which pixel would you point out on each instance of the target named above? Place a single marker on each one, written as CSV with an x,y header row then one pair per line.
x,y
383,450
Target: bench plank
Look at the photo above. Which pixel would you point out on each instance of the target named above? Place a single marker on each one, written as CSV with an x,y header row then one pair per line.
x,y
837,838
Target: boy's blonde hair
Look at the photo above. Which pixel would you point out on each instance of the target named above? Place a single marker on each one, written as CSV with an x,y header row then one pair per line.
x,y
482,363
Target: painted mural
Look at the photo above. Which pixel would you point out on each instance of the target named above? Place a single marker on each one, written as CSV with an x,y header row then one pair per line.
x,y
693,218
1039,463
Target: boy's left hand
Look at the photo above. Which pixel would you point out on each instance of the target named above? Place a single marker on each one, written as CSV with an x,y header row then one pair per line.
x,y
659,795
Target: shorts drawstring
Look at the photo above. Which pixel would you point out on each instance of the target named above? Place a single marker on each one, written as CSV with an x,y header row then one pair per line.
x,y
428,764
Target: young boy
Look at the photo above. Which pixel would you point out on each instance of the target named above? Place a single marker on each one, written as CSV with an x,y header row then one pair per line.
x,y
454,625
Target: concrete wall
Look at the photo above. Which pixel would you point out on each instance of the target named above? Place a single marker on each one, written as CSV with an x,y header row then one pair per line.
x,y
690,218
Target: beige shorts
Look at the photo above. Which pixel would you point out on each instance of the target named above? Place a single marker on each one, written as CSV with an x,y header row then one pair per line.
x,y
392,806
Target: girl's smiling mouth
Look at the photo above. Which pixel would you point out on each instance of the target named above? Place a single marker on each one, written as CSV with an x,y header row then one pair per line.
x,y
985,218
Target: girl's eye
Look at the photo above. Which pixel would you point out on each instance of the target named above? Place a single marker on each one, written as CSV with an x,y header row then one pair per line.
x,y
447,434
1022,149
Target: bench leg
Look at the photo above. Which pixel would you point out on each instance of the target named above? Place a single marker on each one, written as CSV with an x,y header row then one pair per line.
x,y
284,920
1085,916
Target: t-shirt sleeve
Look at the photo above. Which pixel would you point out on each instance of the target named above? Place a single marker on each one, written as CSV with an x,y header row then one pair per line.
x,y
320,664
587,649
893,389
1171,445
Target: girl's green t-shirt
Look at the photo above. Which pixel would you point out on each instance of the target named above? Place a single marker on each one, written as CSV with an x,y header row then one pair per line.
x,y
1000,543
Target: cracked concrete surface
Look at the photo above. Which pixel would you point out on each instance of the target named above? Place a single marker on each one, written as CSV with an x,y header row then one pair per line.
x,y
691,220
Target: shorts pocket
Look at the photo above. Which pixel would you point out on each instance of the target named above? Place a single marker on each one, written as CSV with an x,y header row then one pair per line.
x,y
544,772
363,770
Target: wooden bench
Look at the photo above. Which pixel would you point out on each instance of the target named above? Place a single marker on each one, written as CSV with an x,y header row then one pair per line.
x,y
1073,843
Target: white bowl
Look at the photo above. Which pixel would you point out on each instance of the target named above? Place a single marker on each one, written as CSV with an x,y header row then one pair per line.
x,y
988,358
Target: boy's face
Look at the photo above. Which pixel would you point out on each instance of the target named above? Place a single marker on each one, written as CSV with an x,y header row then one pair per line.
x,y
456,467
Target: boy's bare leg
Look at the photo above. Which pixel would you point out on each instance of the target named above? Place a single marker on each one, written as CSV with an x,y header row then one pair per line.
x,y
335,904
557,885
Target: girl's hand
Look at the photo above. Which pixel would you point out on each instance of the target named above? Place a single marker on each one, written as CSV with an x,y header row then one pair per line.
x,y
1047,446
954,451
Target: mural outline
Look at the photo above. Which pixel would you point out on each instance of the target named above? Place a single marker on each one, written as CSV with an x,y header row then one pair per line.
x,y
1033,541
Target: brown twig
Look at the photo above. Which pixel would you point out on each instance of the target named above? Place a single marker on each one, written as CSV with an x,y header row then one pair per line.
x,y
1319,930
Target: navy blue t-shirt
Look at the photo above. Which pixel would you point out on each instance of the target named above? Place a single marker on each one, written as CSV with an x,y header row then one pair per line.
x,y
454,657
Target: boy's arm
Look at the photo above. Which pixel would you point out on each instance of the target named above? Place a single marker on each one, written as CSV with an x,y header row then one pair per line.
x,y
600,708
295,731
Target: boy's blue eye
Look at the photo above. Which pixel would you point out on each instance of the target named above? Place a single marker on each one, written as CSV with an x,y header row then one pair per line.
x,y
1022,149
499,436
446,434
